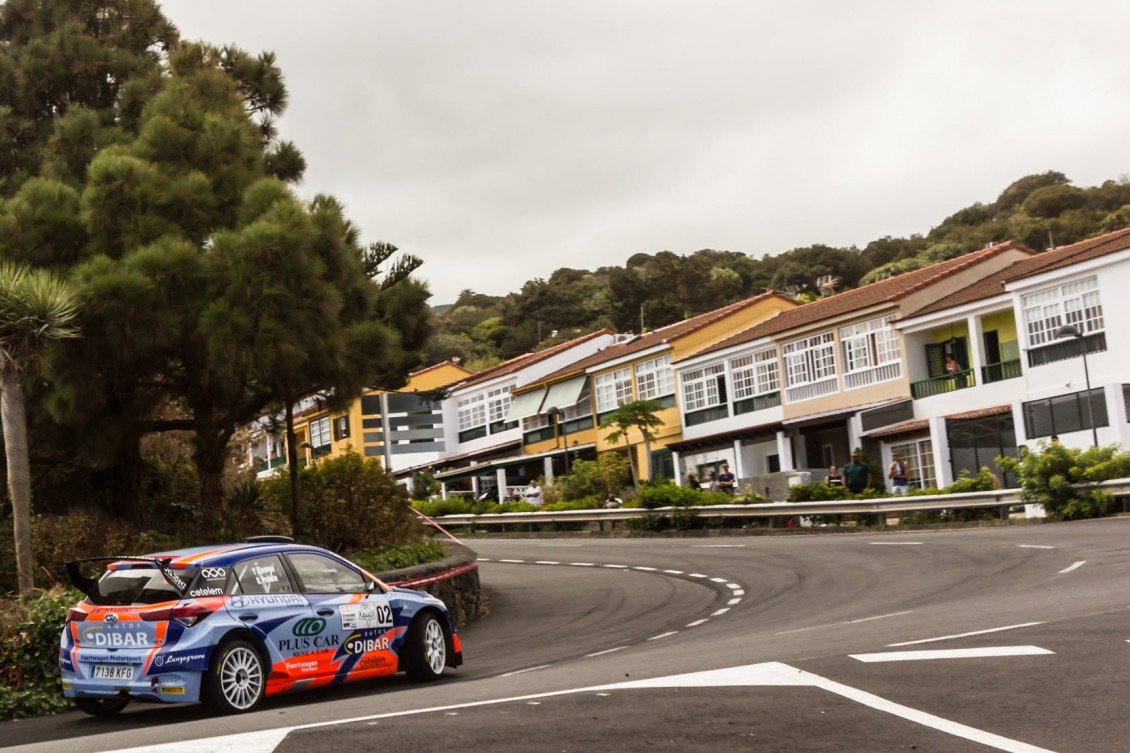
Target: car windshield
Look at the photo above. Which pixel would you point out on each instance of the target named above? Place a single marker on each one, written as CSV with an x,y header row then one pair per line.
x,y
132,585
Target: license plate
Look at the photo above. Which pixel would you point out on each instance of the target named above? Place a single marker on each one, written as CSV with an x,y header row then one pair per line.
x,y
113,672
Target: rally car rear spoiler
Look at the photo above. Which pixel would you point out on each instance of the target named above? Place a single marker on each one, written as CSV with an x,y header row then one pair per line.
x,y
86,585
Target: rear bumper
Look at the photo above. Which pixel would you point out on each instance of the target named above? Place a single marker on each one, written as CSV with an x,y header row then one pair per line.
x,y
183,687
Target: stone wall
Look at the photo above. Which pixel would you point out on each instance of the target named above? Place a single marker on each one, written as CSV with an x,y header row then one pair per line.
x,y
454,579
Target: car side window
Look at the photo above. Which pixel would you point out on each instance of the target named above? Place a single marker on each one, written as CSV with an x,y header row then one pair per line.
x,y
262,575
322,575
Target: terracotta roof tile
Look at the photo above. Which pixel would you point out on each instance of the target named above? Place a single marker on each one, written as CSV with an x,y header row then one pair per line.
x,y
884,291
903,427
664,334
526,359
996,410
1056,258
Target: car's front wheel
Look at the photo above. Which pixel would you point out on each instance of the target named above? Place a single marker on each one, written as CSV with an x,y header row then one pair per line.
x,y
236,679
101,706
426,644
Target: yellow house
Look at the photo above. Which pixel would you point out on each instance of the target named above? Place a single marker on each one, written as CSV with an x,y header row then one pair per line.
x,y
403,428
565,409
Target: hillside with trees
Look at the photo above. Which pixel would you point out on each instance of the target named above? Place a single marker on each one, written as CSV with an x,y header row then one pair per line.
x,y
652,290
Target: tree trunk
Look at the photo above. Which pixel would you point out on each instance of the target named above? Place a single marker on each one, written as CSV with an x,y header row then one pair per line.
x,y
19,475
126,483
210,470
647,454
292,469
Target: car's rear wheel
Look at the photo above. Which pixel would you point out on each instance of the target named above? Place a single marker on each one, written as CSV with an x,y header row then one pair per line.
x,y
236,680
426,644
101,706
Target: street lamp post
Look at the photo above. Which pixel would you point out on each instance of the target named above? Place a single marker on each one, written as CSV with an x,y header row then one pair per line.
x,y
559,420
1070,330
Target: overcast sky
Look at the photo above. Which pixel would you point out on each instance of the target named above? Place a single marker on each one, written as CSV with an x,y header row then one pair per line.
x,y
500,141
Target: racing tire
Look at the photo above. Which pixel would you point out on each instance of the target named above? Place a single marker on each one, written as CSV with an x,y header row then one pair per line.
x,y
236,679
101,706
426,647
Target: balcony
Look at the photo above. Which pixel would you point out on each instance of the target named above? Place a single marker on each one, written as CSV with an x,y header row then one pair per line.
x,y
938,385
757,402
998,372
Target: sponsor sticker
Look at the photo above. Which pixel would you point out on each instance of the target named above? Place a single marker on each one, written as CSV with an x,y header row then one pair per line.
x,y
309,665
266,600
213,573
365,615
171,689
176,660
309,626
358,644
215,591
265,576
114,636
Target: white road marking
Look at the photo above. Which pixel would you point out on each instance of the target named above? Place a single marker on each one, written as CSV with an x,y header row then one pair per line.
x,y
663,635
718,580
546,562
953,653
1069,568
717,546
606,651
617,567
717,612
698,575
732,602
582,564
646,569
673,572
696,623
513,562
879,617
895,543
770,674
965,635
1034,546
524,671
738,591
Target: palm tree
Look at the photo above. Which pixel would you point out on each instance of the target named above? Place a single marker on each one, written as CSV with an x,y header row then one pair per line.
x,y
640,415
35,306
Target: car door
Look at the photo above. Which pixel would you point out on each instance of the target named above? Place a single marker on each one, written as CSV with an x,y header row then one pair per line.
x,y
265,598
358,614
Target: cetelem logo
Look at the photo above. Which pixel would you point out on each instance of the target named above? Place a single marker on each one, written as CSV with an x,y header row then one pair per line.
x,y
309,626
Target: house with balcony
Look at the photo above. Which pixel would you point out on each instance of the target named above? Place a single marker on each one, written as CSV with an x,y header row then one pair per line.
x,y
797,392
402,427
1021,380
482,421
564,410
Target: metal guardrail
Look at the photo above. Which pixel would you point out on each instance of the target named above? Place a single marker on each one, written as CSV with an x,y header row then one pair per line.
x,y
1003,498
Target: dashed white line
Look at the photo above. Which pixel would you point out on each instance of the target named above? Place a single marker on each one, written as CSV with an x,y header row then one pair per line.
x,y
717,612
546,562
1034,546
616,567
605,651
582,564
513,562
732,602
524,671
697,575
953,653
717,546
718,580
1069,568
965,635
645,569
879,617
673,572
895,543
663,635
696,623
738,591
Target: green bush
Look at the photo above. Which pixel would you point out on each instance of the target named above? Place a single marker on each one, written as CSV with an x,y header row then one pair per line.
x,y
395,556
966,482
592,478
349,503
29,653
818,491
583,503
668,495
1048,478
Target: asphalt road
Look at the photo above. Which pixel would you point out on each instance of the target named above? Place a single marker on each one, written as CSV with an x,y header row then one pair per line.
x,y
1012,638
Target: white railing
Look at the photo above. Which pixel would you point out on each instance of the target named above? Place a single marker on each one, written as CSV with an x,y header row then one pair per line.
x,y
1003,498
811,390
884,373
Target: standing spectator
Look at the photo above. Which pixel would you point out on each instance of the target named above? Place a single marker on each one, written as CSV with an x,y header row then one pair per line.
x,y
613,501
713,481
898,474
533,493
726,480
834,478
857,476
692,481
952,366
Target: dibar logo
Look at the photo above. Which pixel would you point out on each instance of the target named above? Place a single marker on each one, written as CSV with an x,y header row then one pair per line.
x,y
309,626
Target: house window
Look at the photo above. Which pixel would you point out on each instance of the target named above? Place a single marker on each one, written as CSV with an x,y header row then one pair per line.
x,y
472,412
1075,303
654,378
810,366
871,353
320,432
583,406
1064,413
613,389
498,404
919,459
705,387
755,374
341,427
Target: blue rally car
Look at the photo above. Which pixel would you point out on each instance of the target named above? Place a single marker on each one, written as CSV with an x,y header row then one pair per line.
x,y
228,625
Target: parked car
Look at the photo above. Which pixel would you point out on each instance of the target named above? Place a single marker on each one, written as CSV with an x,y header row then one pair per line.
x,y
228,625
